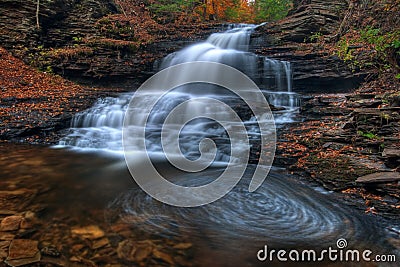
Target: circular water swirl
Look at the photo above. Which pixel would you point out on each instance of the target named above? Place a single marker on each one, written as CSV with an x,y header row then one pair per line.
x,y
281,212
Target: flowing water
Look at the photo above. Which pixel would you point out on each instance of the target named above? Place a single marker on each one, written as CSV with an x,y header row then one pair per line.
x,y
283,212
100,128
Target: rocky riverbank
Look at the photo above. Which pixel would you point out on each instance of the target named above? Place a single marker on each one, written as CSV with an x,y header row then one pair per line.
x,y
34,105
349,143
41,224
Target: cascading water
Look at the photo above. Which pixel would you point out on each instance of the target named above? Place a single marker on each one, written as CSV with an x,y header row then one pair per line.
x,y
282,211
100,127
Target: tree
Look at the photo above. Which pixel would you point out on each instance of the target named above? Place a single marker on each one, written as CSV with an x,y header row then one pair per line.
x,y
37,13
221,10
268,10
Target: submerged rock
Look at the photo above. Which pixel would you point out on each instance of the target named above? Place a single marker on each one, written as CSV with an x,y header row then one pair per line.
x,y
4,249
23,252
11,223
135,251
90,232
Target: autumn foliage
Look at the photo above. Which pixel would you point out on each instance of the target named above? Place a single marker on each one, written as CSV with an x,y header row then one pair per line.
x,y
169,11
31,100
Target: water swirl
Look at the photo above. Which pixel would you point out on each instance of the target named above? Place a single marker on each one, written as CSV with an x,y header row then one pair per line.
x,y
282,212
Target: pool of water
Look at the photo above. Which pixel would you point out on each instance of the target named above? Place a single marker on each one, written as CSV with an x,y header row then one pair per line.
x,y
98,189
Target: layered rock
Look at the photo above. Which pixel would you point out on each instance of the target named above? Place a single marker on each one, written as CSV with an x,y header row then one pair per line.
x,y
91,41
314,69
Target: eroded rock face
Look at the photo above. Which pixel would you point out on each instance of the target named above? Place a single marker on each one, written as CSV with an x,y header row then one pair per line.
x,y
77,40
311,16
314,69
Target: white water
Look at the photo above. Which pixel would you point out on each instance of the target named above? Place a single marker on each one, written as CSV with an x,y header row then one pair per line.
x,y
100,127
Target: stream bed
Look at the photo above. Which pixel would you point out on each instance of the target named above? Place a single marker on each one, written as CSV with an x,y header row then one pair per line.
x,y
66,190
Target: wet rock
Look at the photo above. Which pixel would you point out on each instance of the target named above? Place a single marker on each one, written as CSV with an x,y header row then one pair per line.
x,y
4,249
312,70
75,259
23,252
51,251
25,224
11,223
391,152
17,199
25,233
123,229
7,212
135,251
89,232
183,246
163,256
181,261
379,177
100,243
391,157
6,236
29,215
395,101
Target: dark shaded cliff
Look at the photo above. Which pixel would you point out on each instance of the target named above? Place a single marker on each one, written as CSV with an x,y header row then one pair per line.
x,y
92,41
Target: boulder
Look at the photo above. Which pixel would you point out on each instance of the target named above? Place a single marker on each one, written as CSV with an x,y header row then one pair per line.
x,y
11,223
23,252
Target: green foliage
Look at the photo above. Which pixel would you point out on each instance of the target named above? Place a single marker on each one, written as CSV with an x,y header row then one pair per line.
x,y
385,43
384,46
397,76
395,44
232,14
381,41
77,39
346,54
170,10
368,135
48,69
269,10
373,36
315,36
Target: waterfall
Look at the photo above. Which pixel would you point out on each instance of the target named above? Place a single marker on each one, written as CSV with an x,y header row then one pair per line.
x,y
100,127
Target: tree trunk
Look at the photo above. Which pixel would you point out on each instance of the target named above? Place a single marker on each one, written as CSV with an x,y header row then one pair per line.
x,y
37,14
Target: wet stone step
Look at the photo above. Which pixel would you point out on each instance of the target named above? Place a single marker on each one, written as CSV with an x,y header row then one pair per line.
x,y
379,177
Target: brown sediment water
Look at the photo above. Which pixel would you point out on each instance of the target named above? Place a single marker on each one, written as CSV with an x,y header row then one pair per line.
x,y
74,189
